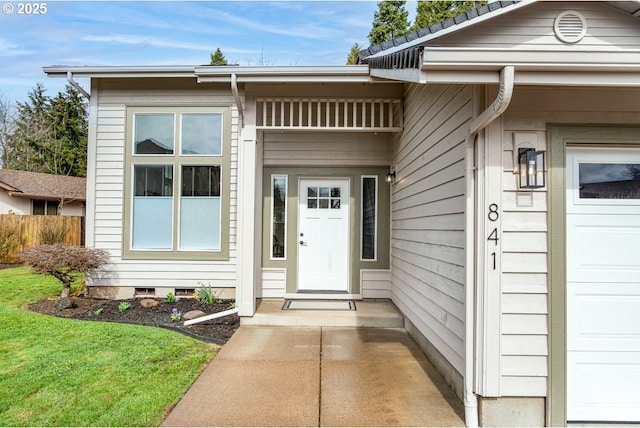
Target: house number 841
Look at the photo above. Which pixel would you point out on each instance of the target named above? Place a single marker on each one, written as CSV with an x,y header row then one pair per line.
x,y
493,216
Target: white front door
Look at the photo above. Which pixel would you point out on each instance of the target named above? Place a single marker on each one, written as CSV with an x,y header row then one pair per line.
x,y
603,285
323,235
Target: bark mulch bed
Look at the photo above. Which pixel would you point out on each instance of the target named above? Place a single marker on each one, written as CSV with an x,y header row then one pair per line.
x,y
216,331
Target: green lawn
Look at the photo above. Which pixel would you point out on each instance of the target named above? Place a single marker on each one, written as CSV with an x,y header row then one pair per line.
x,y
62,372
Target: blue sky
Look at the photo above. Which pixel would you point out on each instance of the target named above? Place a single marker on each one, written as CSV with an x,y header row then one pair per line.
x,y
174,33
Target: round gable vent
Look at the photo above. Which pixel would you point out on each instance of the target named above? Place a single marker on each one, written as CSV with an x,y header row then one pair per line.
x,y
570,26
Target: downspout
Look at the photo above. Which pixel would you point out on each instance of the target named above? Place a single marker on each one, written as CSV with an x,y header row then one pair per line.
x,y
77,85
489,115
236,96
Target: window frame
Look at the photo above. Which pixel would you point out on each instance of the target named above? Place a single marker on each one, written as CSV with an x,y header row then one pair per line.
x,y
177,161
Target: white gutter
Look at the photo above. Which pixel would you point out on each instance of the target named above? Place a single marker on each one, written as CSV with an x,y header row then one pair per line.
x,y
77,85
236,96
489,115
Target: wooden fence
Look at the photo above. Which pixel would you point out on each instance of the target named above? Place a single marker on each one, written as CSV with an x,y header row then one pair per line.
x,y
26,231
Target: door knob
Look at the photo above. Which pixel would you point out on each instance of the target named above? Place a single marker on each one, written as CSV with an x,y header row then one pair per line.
x,y
303,243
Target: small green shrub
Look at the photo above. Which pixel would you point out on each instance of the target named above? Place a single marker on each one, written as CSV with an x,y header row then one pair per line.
x,y
123,306
205,295
98,311
171,298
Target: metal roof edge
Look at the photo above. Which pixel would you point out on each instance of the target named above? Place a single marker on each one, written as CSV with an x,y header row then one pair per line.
x,y
216,73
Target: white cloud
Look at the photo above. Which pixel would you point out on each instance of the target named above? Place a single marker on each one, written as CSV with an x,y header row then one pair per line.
x,y
8,48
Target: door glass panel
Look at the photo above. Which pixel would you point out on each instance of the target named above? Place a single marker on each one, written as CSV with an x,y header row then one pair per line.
x,y
335,192
369,205
278,215
324,192
609,181
312,203
312,192
324,203
335,204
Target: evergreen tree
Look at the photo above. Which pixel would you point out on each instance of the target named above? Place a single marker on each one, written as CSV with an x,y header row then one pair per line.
x,y
430,12
353,54
6,125
217,58
389,22
32,130
49,135
67,153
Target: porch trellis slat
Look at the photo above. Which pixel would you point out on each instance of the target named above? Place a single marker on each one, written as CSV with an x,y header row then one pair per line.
x,y
372,115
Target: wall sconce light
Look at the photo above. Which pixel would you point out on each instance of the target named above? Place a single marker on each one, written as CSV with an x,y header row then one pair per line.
x,y
531,168
390,178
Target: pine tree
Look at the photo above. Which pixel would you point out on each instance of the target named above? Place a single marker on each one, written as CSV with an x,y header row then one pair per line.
x,y
389,22
32,130
217,58
352,58
430,12
49,135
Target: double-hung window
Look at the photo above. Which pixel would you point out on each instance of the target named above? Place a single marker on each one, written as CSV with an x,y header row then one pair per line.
x,y
177,182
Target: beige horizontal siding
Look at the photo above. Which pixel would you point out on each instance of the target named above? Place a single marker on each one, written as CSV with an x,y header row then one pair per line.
x,y
532,27
107,225
326,149
427,262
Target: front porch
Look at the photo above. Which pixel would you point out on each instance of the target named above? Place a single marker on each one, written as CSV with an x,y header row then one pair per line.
x,y
378,313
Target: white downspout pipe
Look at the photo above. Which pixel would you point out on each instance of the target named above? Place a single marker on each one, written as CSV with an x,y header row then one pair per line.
x,y
236,97
489,115
77,85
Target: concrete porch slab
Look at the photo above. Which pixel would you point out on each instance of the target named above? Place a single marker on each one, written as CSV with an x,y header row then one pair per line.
x,y
369,313
291,376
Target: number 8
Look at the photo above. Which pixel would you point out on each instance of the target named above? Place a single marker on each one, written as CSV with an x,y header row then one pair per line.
x,y
493,212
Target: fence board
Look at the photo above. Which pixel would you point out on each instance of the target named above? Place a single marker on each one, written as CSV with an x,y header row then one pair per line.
x,y
30,229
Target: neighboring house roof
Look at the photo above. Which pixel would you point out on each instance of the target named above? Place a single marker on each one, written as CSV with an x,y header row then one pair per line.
x,y
36,185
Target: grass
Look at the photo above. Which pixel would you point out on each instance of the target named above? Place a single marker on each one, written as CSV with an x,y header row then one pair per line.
x,y
63,372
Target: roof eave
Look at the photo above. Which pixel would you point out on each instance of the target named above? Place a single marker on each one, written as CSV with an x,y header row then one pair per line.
x,y
352,73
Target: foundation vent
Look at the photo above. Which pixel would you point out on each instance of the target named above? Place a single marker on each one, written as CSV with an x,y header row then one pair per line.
x,y
570,26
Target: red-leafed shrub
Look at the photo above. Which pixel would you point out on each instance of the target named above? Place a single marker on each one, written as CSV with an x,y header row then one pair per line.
x,y
64,262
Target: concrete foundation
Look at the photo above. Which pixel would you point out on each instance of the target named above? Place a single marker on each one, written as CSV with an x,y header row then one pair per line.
x,y
119,293
512,411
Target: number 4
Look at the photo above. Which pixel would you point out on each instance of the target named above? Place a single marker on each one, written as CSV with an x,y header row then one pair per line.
x,y
493,236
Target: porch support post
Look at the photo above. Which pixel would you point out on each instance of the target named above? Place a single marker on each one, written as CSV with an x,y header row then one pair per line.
x,y
248,231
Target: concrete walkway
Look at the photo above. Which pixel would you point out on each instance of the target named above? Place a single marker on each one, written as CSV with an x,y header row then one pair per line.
x,y
318,376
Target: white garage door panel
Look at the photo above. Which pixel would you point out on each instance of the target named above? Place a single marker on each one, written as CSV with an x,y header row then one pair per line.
x,y
607,322
603,285
602,249
618,382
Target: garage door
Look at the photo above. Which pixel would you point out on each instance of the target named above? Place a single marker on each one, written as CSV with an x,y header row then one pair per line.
x,y
603,285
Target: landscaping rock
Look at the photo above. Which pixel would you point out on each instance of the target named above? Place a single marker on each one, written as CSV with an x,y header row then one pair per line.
x,y
64,303
193,315
149,303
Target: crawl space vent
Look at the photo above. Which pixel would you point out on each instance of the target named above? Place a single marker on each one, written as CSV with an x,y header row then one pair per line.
x,y
570,26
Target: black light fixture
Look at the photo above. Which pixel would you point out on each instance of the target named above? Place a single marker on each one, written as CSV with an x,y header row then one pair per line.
x,y
390,178
531,168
